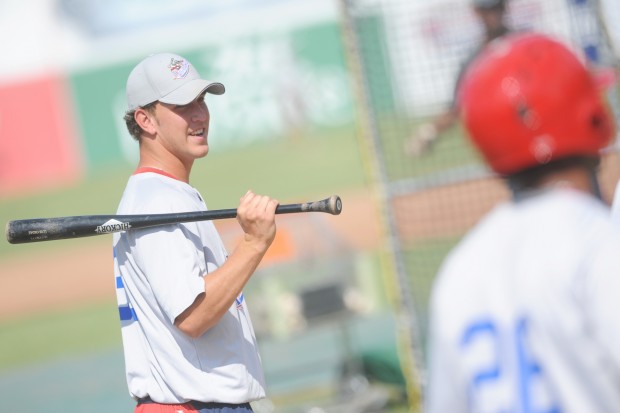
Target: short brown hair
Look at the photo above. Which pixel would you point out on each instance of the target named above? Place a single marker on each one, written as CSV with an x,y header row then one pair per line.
x,y
132,126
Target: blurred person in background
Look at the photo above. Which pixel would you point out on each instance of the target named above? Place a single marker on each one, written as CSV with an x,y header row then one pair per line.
x,y
524,311
188,340
492,16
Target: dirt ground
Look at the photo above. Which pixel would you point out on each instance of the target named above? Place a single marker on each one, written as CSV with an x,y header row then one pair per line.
x,y
71,277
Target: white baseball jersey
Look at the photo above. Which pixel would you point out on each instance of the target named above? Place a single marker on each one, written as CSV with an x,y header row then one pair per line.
x,y
159,274
525,312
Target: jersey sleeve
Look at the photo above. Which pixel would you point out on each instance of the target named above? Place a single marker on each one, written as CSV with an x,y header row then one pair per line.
x,y
170,258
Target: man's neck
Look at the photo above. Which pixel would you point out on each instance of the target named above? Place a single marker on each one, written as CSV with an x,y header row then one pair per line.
x,y
578,178
173,167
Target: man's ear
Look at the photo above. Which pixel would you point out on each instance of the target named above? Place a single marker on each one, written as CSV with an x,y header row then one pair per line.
x,y
146,120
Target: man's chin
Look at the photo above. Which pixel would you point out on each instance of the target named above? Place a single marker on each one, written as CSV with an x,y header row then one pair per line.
x,y
204,152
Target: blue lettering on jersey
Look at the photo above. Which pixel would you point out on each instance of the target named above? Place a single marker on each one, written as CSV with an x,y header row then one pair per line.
x,y
239,301
125,311
478,331
527,378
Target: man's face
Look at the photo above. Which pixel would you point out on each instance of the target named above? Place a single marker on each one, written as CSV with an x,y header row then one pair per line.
x,y
183,130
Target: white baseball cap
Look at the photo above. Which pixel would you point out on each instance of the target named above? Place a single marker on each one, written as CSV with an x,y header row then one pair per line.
x,y
168,78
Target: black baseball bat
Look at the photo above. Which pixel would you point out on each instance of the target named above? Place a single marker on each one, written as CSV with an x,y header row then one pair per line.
x,y
49,229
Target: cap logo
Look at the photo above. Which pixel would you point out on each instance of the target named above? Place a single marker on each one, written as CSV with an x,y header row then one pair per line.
x,y
178,68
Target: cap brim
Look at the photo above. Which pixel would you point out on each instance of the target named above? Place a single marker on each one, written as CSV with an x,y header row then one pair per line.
x,y
191,90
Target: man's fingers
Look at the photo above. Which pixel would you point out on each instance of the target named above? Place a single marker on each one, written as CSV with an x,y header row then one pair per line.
x,y
247,196
265,203
272,205
259,203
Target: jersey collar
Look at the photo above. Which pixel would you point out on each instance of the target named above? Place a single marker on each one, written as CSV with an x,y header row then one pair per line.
x,y
144,169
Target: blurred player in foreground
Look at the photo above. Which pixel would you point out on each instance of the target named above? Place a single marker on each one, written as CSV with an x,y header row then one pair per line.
x,y
492,16
524,312
188,340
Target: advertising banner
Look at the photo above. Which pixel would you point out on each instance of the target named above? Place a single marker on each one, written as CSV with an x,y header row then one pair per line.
x,y
278,85
38,143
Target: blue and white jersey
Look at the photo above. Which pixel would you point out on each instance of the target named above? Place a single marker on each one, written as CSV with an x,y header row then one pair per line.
x,y
159,273
525,312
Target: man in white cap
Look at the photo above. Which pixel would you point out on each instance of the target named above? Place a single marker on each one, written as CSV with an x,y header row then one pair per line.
x,y
188,339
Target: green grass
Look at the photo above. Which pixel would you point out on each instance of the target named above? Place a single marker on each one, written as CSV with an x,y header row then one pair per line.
x,y
315,166
59,333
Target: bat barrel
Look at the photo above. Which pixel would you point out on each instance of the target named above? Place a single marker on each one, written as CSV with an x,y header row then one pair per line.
x,y
48,229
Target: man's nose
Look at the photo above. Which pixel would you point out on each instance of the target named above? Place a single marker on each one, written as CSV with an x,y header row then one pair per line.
x,y
200,112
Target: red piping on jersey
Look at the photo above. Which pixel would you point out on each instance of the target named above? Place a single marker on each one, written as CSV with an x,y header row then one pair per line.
x,y
143,169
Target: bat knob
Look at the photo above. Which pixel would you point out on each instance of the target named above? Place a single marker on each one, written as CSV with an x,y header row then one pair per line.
x,y
334,205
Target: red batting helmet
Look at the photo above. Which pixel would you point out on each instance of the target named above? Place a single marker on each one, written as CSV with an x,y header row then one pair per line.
x,y
528,100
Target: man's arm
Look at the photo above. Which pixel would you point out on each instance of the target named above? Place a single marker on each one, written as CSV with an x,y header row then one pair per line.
x,y
256,215
428,132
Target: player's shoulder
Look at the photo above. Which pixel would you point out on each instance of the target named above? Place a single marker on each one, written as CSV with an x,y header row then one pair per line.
x,y
568,217
573,220
457,269
588,215
154,193
484,233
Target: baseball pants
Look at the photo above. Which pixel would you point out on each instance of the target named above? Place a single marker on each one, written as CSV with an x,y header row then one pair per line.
x,y
192,407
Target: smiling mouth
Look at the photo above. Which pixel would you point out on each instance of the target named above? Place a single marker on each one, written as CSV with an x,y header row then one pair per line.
x,y
199,132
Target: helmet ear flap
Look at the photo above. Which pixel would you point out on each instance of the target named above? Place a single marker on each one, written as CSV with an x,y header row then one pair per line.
x,y
537,96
